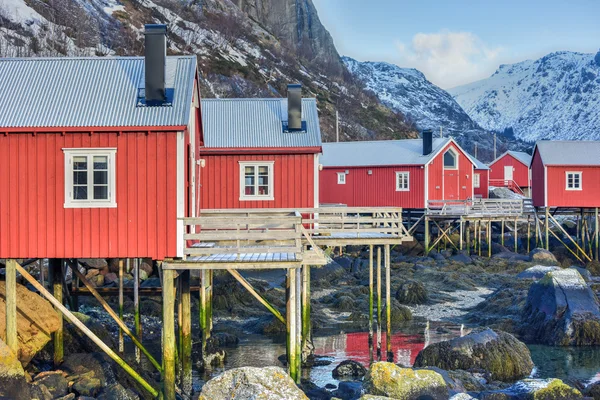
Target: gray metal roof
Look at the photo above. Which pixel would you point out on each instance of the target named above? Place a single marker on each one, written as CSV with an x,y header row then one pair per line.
x,y
89,91
478,164
256,123
379,153
519,155
569,152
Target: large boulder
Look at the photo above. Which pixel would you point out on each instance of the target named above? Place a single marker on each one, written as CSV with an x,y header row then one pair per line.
x,y
542,256
411,292
536,389
537,272
499,354
561,310
349,369
36,321
387,379
271,383
12,376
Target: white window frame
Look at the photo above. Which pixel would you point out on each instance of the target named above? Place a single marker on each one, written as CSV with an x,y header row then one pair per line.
x,y
567,173
476,180
455,153
256,164
111,154
404,174
341,178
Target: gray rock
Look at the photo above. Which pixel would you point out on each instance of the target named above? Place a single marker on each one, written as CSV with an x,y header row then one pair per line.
x,y
509,255
348,390
463,258
55,382
542,256
117,392
12,375
585,274
537,272
554,389
411,292
349,369
151,282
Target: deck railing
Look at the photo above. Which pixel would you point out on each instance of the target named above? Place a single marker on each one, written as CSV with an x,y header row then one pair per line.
x,y
507,183
476,207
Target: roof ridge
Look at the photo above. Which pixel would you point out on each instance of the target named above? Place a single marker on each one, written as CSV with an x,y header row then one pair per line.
x,y
79,58
252,99
383,141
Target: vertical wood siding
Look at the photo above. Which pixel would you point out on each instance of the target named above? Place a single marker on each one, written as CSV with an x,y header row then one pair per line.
x,y
538,181
442,182
559,196
375,190
484,183
35,224
293,181
520,171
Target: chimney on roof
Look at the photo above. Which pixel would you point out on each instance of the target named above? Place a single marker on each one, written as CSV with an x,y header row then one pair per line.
x,y
156,59
294,107
427,142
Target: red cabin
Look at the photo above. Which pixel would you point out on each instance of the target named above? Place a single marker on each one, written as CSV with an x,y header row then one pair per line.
x,y
481,180
566,174
260,153
511,170
395,173
97,159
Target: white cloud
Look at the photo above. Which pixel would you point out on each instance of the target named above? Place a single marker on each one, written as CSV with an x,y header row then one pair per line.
x,y
449,59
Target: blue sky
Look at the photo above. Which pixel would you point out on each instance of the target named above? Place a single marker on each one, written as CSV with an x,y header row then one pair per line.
x,y
459,41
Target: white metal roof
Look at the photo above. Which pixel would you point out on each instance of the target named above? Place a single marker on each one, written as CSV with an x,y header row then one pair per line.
x,y
90,92
518,155
569,152
478,164
257,123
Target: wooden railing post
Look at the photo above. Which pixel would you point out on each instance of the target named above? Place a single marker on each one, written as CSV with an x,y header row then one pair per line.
x,y
11,306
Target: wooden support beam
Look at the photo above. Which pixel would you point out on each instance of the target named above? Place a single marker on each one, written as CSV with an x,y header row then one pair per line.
x,y
11,306
462,223
379,303
121,341
55,274
186,330
502,234
298,322
489,240
468,233
307,345
136,307
547,228
169,346
256,295
371,304
570,238
528,235
426,239
388,302
516,234
291,326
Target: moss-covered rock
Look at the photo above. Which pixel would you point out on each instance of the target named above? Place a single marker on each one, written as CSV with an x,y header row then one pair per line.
x,y
411,292
499,354
387,379
536,389
12,375
399,314
557,390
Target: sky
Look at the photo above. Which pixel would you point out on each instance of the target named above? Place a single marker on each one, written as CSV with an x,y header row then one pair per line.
x,y
454,42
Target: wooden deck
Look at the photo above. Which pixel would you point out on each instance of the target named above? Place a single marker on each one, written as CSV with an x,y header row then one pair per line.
x,y
479,208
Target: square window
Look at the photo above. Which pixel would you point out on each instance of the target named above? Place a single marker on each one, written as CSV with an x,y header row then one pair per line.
x,y
341,178
402,181
573,180
256,180
90,178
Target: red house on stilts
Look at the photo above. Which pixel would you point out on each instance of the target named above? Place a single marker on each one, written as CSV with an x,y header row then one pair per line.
x,y
397,173
511,170
98,154
252,156
481,180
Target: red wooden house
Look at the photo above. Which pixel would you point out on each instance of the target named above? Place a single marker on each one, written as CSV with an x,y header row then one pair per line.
x,y
98,154
511,170
566,174
260,153
481,180
395,173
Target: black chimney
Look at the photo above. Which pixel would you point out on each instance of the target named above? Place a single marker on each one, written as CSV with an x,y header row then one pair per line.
x,y
156,60
427,142
294,107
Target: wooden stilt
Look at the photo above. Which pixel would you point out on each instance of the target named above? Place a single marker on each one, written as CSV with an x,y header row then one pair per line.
x,y
479,223
388,302
11,306
468,233
136,307
371,304
489,240
169,333
204,324
516,234
306,324
502,233
379,303
291,325
121,342
179,307
547,227
257,295
186,329
55,272
528,234
298,322
426,239
209,301
461,233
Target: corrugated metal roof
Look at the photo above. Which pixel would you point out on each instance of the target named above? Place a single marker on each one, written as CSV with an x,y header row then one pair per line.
x,y
379,153
89,91
521,156
565,152
478,164
256,123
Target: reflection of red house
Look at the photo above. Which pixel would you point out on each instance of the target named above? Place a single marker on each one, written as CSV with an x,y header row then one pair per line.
x,y
512,166
395,173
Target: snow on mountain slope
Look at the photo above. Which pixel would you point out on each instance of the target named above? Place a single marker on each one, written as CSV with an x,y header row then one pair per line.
x,y
408,91
555,97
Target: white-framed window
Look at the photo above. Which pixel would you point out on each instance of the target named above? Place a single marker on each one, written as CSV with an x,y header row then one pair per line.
x,y
256,180
402,181
573,180
476,181
90,178
341,176
450,159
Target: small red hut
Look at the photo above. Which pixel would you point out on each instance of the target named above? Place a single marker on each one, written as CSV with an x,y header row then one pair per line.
x,y
566,174
98,158
260,153
511,170
481,179
395,173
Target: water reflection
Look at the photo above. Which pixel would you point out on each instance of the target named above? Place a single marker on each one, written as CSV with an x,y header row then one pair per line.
x,y
576,363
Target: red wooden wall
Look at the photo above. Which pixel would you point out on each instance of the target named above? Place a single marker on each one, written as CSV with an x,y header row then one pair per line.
x,y
441,179
538,181
35,224
558,196
484,183
375,190
293,184
520,170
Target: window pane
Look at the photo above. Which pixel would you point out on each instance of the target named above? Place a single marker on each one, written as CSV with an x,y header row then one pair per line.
x,y
80,193
80,163
79,177
249,171
263,170
249,190
249,181
100,177
449,159
100,162
100,192
263,180
263,190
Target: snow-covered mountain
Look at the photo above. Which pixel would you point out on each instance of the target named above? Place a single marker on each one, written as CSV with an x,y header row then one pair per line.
x,y
555,97
408,91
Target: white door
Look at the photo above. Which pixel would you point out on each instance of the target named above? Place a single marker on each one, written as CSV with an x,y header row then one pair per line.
x,y
508,173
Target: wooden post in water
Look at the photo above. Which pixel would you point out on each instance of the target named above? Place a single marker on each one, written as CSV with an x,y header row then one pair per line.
x,y
489,240
55,272
291,325
547,228
298,322
468,233
203,307
11,306
502,233
169,333
426,241
528,234
371,304
136,307
378,303
461,233
516,231
121,341
178,305
186,329
388,304
306,325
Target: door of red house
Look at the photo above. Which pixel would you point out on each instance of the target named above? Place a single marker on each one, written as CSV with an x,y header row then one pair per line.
x,y
451,187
